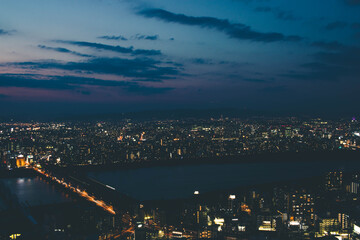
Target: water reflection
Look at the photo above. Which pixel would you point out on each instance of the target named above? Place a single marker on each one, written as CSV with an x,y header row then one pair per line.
x,y
35,191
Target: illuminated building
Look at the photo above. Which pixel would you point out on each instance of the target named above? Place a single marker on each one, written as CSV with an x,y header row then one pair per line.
x,y
328,225
355,184
20,161
231,202
29,159
343,220
301,206
245,208
219,221
356,231
334,181
15,236
200,211
288,132
353,188
266,223
205,234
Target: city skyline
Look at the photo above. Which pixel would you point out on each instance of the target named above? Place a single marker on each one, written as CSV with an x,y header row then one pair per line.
x,y
211,178
158,119
120,56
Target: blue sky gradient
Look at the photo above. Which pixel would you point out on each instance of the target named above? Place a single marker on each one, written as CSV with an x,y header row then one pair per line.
x,y
118,55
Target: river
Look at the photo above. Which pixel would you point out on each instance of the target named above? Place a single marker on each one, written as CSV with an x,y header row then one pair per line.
x,y
173,182
34,191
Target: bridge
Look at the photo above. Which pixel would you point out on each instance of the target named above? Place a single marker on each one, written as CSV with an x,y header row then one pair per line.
x,y
107,207
104,196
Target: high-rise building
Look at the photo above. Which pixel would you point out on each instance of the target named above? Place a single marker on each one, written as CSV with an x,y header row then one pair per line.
x,y
20,161
288,132
355,184
328,225
343,220
334,181
301,206
231,201
354,187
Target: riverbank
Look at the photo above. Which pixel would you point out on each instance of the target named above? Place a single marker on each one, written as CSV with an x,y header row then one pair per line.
x,y
338,155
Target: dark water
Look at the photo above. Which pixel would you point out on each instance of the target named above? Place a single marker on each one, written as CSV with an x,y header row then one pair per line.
x,y
34,191
2,205
181,181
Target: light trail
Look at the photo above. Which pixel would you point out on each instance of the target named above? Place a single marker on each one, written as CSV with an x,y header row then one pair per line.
x,y
82,193
110,187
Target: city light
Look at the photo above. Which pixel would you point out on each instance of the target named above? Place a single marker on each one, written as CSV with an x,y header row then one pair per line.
x,y
80,192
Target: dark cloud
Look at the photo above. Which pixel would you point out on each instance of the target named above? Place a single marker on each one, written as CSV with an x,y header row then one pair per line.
x,y
119,49
32,81
348,58
335,62
331,46
63,50
340,65
146,37
355,25
145,90
73,83
357,36
314,72
352,2
263,9
84,92
119,37
202,61
279,14
285,15
336,25
254,80
232,30
3,32
148,79
144,68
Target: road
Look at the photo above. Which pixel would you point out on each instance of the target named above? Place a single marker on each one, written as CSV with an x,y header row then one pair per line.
x,y
80,192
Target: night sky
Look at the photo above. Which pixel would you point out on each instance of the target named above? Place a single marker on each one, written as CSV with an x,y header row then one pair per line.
x,y
93,56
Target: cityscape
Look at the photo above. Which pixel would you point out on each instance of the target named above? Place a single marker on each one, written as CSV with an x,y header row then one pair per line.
x,y
119,142
158,119
65,155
